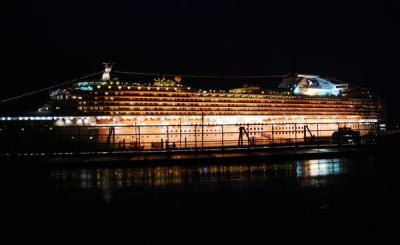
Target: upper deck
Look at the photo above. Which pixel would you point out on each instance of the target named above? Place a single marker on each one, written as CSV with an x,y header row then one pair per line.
x,y
171,97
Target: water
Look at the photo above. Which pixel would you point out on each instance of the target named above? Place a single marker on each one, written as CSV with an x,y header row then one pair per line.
x,y
307,201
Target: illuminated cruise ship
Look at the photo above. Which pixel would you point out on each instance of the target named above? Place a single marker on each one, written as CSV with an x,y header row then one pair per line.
x,y
169,111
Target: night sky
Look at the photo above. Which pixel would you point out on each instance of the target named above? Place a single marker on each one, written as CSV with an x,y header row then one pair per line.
x,y
45,42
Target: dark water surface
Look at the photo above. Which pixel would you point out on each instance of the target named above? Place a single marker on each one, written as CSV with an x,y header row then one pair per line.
x,y
307,201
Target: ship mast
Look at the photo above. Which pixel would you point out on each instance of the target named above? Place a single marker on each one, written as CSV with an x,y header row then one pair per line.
x,y
107,70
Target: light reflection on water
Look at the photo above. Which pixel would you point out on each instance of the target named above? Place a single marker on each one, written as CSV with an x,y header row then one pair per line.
x,y
319,167
308,171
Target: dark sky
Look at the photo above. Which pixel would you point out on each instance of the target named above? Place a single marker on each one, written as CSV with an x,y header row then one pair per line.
x,y
45,42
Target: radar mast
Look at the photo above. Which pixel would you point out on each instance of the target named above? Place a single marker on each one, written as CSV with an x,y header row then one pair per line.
x,y
107,70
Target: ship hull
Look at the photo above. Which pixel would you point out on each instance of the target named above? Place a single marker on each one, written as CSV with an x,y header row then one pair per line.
x,y
96,133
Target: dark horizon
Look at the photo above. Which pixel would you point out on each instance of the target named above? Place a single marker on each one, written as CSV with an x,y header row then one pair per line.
x,y
46,42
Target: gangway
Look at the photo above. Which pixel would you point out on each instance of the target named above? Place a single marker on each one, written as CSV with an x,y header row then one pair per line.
x,y
312,137
243,131
111,135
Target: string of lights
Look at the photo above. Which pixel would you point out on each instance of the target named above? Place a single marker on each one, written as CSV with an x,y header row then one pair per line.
x,y
147,74
48,88
196,76
337,80
138,74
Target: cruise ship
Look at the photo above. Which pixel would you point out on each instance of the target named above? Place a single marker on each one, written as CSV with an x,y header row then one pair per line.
x,y
168,113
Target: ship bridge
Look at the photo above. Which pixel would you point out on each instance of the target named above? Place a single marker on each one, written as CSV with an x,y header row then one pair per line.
x,y
313,85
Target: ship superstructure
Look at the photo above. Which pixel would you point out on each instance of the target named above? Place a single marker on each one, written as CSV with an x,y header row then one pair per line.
x,y
306,97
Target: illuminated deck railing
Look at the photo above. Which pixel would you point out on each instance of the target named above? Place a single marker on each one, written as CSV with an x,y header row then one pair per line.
x,y
216,113
162,102
241,99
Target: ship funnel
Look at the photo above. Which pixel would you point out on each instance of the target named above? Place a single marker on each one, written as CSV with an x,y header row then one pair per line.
x,y
107,70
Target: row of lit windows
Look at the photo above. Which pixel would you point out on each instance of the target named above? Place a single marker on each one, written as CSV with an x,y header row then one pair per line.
x,y
236,100
266,109
140,88
178,136
370,114
205,130
206,135
286,128
256,105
